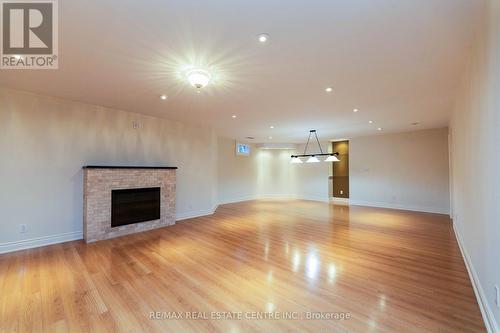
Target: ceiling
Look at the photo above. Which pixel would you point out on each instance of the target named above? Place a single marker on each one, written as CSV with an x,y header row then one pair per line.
x,y
398,62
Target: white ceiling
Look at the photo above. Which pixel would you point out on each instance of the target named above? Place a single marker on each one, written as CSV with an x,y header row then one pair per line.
x,y
397,61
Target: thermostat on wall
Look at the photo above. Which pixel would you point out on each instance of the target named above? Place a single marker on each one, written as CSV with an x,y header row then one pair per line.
x,y
242,149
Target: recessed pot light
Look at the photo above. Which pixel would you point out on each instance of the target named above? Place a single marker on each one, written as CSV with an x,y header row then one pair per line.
x,y
270,138
379,129
163,97
329,89
355,110
233,116
370,121
271,127
263,38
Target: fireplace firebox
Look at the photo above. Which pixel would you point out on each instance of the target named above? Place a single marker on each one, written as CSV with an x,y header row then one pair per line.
x,y
135,205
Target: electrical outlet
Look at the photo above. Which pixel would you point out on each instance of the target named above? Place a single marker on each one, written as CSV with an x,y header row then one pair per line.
x,y
23,228
497,296
341,192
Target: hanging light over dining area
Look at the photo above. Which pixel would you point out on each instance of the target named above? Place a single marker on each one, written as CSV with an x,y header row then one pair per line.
x,y
314,158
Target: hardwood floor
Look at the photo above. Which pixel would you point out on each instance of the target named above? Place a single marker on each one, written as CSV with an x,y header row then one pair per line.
x,y
387,270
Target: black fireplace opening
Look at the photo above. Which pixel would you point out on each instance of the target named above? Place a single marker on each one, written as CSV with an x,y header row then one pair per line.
x,y
134,205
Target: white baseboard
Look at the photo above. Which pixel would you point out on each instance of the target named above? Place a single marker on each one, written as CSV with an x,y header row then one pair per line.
x,y
195,213
424,209
273,197
340,201
486,312
76,235
40,241
239,199
312,198
70,236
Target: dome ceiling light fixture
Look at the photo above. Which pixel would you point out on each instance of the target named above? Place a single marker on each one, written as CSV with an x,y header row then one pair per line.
x,y
263,38
313,158
198,78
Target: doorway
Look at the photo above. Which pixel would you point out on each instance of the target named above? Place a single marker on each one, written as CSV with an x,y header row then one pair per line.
x,y
340,170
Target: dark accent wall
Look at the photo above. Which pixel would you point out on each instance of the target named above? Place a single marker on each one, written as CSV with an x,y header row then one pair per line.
x,y
341,170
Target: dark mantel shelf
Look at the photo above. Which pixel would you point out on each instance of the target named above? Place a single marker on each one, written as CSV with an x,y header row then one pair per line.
x,y
126,167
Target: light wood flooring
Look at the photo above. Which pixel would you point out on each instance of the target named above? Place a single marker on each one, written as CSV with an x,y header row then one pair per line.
x,y
382,270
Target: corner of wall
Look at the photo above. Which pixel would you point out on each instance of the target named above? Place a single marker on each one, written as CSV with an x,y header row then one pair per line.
x,y
486,312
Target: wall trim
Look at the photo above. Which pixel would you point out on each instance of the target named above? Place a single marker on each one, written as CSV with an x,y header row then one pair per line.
x,y
274,197
312,198
423,209
195,213
340,201
40,241
486,312
31,243
239,199
76,235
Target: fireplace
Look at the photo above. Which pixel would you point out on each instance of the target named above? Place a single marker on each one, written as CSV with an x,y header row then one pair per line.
x,y
134,205
123,200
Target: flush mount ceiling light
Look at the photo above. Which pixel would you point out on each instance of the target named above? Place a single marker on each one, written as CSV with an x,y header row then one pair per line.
x,y
263,38
313,158
198,78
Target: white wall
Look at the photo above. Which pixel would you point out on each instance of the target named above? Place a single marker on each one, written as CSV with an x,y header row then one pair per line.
x,y
236,174
312,180
267,173
404,170
475,163
275,175
44,142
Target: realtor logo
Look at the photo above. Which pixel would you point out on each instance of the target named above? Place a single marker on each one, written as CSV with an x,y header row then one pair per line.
x,y
29,34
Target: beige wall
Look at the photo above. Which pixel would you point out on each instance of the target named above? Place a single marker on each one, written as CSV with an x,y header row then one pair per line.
x,y
475,163
402,170
44,142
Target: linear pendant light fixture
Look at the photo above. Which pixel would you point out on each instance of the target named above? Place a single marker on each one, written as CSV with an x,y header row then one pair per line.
x,y
313,158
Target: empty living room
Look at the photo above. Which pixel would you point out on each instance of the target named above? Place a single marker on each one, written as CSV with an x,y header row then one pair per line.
x,y
250,166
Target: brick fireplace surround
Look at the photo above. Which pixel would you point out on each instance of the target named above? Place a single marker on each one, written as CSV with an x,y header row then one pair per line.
x,y
98,183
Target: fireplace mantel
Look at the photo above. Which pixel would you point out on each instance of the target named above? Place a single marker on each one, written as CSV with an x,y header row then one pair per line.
x,y
100,181
127,167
